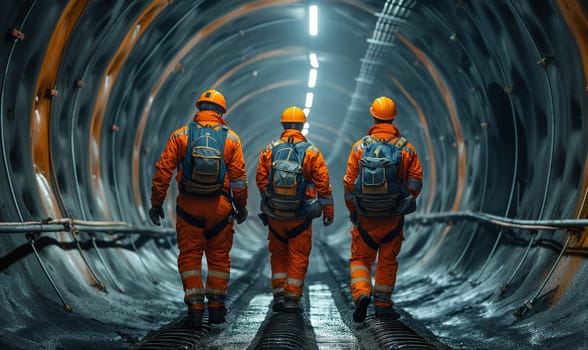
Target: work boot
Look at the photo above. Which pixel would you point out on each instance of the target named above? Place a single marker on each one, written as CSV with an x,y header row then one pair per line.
x,y
387,313
291,306
194,319
360,309
278,304
216,314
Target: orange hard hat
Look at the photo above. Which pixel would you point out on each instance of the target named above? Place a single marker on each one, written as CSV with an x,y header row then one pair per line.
x,y
383,108
214,97
293,115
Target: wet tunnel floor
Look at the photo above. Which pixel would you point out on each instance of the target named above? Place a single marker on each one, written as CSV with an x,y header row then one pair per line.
x,y
325,323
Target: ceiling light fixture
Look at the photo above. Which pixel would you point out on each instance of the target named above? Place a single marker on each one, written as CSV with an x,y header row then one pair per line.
x,y
313,20
312,78
313,60
309,97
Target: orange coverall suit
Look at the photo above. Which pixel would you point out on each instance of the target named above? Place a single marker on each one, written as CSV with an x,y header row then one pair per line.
x,y
289,257
208,210
362,255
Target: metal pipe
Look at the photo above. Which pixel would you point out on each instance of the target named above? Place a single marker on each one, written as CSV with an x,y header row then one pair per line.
x,y
67,306
28,228
561,253
552,225
504,286
106,265
143,262
107,227
99,283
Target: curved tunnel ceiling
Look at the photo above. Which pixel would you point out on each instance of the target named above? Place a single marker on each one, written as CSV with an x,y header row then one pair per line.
x,y
492,95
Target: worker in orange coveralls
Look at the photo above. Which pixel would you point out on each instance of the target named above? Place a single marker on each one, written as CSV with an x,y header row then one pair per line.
x,y
373,235
204,221
290,232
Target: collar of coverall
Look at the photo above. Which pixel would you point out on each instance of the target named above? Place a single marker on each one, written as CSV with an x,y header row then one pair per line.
x,y
297,134
384,128
209,116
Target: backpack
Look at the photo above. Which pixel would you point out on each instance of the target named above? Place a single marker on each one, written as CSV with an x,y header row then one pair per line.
x,y
378,189
204,165
286,190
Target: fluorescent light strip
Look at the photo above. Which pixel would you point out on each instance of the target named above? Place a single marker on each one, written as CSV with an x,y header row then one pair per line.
x,y
309,97
313,60
306,111
312,78
313,20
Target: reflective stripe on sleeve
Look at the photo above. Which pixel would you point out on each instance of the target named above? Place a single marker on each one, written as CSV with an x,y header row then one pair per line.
x,y
238,183
415,184
325,200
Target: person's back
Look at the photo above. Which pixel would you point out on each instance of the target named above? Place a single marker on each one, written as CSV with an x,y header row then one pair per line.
x,y
378,232
288,217
204,205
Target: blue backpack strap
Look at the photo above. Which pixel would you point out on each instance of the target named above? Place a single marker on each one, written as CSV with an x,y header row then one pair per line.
x,y
401,142
188,156
223,131
301,148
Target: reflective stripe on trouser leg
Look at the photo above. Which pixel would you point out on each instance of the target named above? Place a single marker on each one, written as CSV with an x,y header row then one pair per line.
x,y
361,260
386,270
279,263
218,259
383,295
299,251
278,280
216,297
191,245
293,289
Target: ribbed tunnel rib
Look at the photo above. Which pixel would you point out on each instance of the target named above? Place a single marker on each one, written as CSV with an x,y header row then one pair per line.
x,y
492,95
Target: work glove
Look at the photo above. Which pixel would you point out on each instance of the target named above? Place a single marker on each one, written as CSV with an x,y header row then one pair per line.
x,y
353,217
263,218
241,214
327,221
407,205
155,213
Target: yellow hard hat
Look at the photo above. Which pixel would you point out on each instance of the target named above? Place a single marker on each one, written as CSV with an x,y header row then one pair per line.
x,y
383,108
293,115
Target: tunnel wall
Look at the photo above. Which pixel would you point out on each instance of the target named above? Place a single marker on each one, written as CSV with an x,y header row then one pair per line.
x,y
499,85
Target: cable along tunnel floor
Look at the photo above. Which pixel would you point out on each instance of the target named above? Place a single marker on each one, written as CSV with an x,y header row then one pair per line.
x,y
325,322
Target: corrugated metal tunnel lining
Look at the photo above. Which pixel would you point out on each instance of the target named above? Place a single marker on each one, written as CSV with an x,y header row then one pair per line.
x,y
492,95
